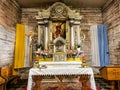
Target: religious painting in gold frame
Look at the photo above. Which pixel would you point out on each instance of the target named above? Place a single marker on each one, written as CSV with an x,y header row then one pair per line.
x,y
59,29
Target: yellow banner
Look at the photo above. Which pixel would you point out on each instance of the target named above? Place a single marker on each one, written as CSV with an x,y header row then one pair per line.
x,y
19,46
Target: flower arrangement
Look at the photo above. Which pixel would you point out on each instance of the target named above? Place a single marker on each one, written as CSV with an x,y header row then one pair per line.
x,y
72,53
44,54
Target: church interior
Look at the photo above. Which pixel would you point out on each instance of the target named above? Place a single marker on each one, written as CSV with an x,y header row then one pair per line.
x,y
60,45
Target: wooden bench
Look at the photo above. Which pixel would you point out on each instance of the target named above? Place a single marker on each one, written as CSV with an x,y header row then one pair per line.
x,y
6,73
2,81
111,73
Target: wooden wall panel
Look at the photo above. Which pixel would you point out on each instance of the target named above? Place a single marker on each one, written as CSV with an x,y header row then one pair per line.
x,y
111,17
7,40
10,14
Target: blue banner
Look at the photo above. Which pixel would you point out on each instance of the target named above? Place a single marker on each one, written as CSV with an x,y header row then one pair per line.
x,y
103,45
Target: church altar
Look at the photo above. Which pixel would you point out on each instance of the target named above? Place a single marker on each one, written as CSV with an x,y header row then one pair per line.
x,y
60,71
59,34
59,48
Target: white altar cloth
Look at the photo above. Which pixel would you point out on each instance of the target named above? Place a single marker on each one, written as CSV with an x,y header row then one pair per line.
x,y
60,64
61,71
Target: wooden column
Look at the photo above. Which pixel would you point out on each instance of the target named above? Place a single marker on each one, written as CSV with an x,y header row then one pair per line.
x,y
78,35
72,36
39,34
46,35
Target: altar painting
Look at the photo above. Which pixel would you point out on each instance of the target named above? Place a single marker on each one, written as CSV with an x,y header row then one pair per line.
x,y
59,29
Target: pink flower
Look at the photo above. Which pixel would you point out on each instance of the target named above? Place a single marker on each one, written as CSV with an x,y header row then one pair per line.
x,y
44,52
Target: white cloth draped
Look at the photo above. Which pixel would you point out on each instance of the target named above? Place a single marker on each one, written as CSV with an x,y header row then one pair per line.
x,y
27,48
61,71
94,46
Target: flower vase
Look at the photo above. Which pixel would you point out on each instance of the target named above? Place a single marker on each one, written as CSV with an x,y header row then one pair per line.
x,y
44,57
73,56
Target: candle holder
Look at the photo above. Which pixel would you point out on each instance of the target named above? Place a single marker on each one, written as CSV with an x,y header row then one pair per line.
x,y
84,63
84,60
36,64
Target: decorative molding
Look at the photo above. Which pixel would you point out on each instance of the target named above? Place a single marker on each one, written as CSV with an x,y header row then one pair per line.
x,y
58,11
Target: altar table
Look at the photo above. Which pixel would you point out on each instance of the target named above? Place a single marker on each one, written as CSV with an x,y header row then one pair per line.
x,y
61,71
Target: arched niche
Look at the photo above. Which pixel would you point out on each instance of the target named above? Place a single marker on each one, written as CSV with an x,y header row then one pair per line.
x,y
59,44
